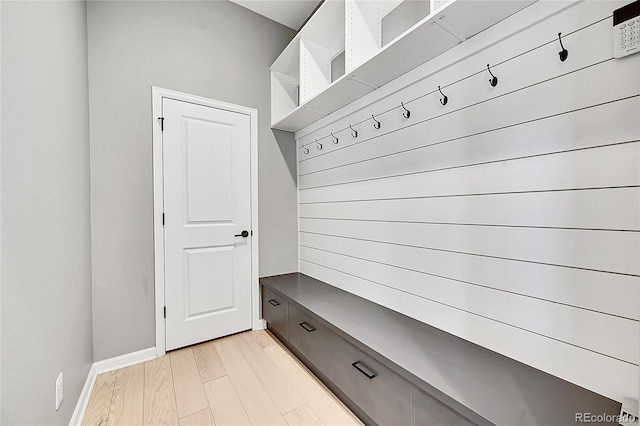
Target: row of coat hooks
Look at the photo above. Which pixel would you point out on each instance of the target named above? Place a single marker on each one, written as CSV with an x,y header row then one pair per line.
x,y
493,82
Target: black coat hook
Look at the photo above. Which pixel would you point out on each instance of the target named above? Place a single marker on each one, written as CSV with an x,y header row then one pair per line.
x,y
354,132
406,113
564,53
493,81
318,145
305,149
376,123
335,139
444,100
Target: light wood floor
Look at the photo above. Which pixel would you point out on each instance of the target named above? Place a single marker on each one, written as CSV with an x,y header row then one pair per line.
x,y
245,379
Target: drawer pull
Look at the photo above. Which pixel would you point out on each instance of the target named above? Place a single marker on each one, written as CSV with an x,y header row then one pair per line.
x,y
370,374
274,302
307,327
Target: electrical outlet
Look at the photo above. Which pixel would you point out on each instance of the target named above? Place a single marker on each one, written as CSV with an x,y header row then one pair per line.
x,y
59,390
629,413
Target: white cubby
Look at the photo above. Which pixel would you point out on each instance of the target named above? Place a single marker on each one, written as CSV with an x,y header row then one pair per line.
x,y
437,4
350,47
338,66
284,94
285,84
304,68
321,40
315,69
466,18
402,17
372,24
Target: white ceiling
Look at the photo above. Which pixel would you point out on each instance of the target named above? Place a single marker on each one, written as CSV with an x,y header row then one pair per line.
x,y
291,13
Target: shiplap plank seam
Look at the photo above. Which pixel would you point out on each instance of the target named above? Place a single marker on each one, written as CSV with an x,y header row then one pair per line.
x,y
475,314
425,222
472,194
478,254
549,319
477,164
564,285
475,284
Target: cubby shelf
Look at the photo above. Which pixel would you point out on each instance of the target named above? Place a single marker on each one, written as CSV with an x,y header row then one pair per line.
x,y
349,48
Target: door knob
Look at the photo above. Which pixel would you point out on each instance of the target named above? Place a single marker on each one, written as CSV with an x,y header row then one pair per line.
x,y
243,234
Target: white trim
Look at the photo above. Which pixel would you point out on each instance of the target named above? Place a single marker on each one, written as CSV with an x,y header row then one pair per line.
x,y
295,140
83,399
256,311
158,234
125,360
105,366
0,205
157,94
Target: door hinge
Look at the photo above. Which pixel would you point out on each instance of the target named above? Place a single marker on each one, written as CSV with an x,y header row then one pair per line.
x,y
161,121
162,219
165,312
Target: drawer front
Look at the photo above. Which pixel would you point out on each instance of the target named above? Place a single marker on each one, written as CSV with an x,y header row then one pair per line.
x,y
275,309
428,411
378,391
311,338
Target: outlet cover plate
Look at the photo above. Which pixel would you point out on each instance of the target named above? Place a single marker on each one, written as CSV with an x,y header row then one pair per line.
x,y
59,390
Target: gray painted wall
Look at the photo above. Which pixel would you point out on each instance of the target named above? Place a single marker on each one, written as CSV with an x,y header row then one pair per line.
x,y
45,249
214,49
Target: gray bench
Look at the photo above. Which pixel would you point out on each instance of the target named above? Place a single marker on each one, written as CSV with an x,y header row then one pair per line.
x,y
391,369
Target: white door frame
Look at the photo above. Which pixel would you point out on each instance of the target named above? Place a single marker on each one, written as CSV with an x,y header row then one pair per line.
x,y
157,95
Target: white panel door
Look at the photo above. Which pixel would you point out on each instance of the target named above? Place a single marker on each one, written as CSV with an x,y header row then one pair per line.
x,y
207,205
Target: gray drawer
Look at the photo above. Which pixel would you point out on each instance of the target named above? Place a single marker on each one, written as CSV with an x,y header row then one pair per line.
x,y
428,411
311,339
378,391
275,309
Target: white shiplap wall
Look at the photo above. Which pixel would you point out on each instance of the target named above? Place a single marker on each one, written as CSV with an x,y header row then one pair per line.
x,y
510,216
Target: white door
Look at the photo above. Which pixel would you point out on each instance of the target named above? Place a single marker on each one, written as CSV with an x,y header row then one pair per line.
x,y
207,205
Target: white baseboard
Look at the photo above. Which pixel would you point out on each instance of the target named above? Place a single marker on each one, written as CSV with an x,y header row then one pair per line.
x,y
83,399
261,324
125,360
105,366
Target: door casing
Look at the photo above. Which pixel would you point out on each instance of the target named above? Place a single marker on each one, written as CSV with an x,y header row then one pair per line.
x,y
157,95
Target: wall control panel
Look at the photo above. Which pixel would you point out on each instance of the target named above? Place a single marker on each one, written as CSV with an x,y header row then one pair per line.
x,y
626,30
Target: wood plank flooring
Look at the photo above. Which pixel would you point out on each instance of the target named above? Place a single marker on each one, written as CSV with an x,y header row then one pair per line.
x,y
244,379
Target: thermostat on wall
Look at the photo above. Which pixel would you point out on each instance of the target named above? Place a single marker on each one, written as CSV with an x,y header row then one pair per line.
x,y
626,30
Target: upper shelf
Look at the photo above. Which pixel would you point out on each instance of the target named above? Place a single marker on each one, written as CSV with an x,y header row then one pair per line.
x,y
381,41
